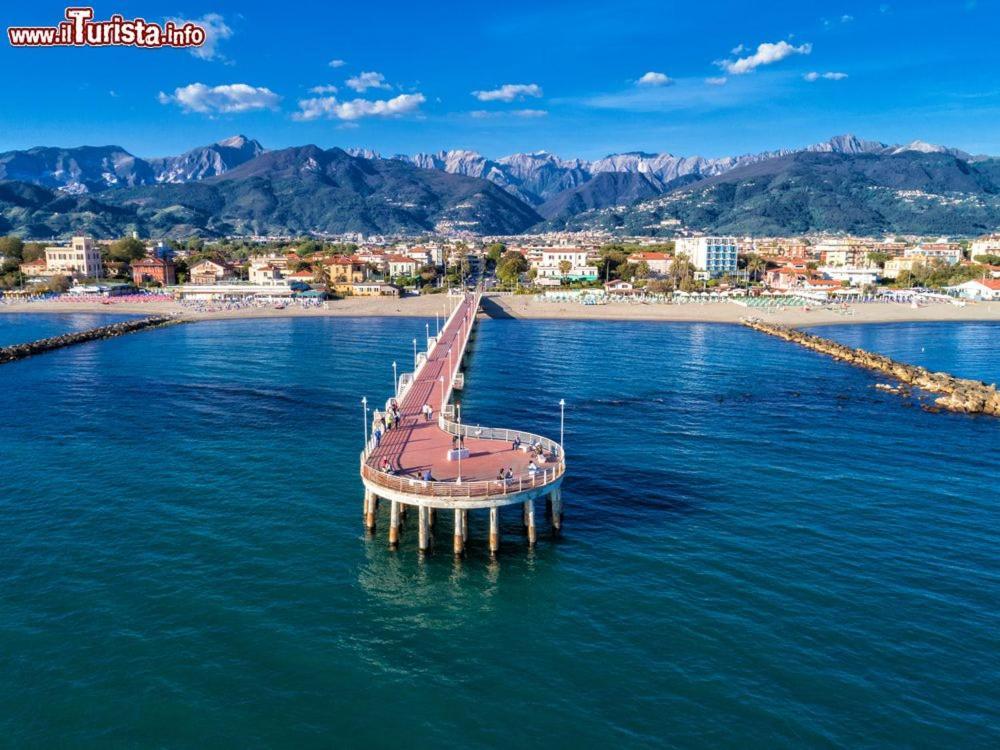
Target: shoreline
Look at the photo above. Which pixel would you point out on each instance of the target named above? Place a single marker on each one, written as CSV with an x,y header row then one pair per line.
x,y
528,308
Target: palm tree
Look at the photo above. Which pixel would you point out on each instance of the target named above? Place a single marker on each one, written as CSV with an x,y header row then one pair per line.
x,y
755,266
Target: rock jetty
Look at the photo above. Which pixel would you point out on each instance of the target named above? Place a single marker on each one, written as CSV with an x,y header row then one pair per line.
x,y
955,394
20,351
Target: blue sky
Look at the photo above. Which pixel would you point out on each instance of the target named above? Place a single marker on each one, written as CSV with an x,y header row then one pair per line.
x,y
580,79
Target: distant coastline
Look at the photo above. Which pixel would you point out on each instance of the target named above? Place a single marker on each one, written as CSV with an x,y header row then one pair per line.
x,y
528,307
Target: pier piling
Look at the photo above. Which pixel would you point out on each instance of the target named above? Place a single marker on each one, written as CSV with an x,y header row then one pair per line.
x,y
459,533
394,524
424,536
529,515
370,510
555,498
494,530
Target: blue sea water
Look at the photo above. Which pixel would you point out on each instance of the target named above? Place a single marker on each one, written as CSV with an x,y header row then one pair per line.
x,y
20,328
760,549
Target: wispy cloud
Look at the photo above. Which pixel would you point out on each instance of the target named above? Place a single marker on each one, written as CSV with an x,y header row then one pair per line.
x,y
367,80
830,76
330,108
653,78
509,92
230,98
216,30
488,114
326,89
716,81
767,53
337,63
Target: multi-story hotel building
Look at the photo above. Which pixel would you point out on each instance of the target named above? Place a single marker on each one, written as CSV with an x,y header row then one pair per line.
x,y
81,259
712,256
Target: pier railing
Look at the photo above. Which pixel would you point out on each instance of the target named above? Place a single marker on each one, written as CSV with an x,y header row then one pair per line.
x,y
483,488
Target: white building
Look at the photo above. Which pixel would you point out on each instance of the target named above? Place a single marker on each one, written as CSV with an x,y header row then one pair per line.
x,y
853,276
978,289
81,259
985,246
266,274
712,256
548,266
942,250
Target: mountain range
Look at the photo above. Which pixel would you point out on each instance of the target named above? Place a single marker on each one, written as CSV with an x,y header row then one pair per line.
x,y
235,186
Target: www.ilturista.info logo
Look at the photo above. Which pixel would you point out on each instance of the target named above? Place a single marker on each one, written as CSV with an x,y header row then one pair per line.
x,y
80,30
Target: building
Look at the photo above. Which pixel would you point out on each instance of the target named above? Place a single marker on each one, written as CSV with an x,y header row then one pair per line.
x,y
343,272
711,256
853,276
211,272
153,270
942,250
82,259
658,263
895,266
978,289
375,289
265,274
401,265
35,269
985,246
549,264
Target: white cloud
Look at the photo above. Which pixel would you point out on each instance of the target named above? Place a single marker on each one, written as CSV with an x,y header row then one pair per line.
x,y
718,81
367,80
227,99
529,113
766,54
337,63
509,92
326,89
216,30
846,18
654,79
330,108
831,76
739,49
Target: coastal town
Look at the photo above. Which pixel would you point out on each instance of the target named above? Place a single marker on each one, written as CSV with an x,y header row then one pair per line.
x,y
589,269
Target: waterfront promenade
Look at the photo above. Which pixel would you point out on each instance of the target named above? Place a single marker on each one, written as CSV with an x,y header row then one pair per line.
x,y
434,461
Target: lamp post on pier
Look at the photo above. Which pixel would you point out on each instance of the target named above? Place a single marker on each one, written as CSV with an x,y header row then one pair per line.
x,y
437,322
395,381
414,355
427,327
441,380
364,405
562,423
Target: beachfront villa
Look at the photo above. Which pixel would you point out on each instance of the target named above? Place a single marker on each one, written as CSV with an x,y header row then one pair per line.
x,y
210,272
549,265
81,259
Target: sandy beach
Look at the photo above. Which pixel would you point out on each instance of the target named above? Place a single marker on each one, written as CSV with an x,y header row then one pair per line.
x,y
528,307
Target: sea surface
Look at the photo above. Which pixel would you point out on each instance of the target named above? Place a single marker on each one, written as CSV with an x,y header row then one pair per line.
x,y
760,549
20,328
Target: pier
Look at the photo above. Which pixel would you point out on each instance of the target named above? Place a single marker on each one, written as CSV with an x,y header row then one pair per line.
x,y
432,463
955,394
21,351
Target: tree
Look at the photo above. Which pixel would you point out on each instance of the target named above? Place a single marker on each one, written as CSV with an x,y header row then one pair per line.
x,y
878,258
11,246
642,270
126,249
989,259
565,267
494,251
682,272
511,266
756,266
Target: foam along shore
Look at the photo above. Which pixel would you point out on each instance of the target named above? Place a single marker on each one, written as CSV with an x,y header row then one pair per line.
x,y
15,352
956,394
530,307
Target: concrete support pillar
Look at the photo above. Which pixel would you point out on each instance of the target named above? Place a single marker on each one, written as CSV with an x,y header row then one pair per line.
x,y
431,515
557,511
394,524
465,526
370,509
529,515
424,530
524,516
459,534
494,530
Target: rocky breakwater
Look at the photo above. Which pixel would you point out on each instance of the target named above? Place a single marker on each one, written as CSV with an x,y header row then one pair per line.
x,y
955,394
20,351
